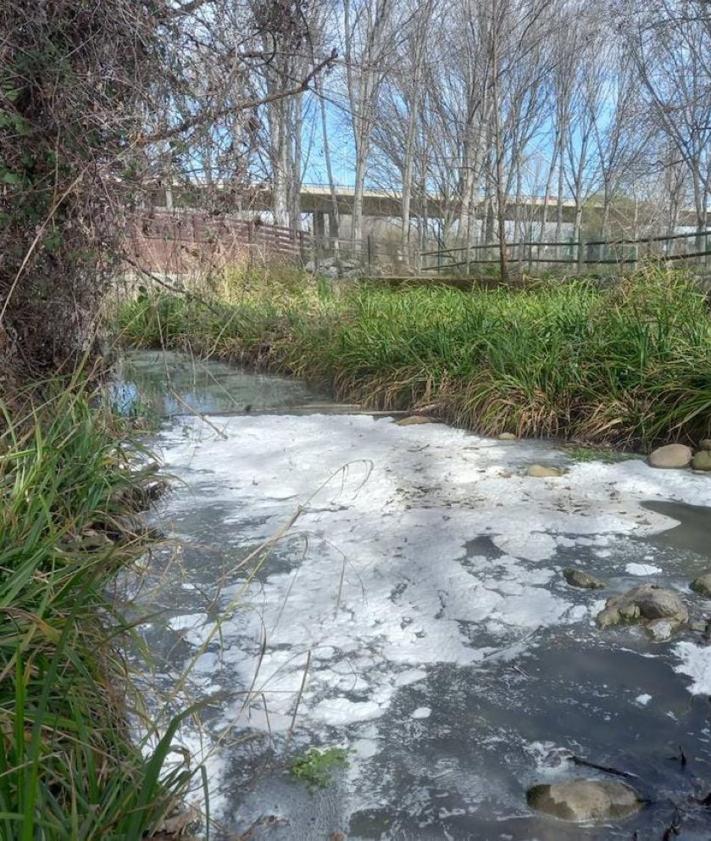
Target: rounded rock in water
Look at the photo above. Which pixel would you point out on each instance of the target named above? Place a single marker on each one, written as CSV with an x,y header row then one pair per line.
x,y
672,456
580,578
585,801
702,460
413,420
542,471
702,585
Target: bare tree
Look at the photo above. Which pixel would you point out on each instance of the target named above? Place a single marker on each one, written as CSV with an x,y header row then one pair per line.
x,y
97,101
670,43
367,37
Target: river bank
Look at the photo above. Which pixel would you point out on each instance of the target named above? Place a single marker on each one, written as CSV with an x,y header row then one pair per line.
x,y
72,478
628,366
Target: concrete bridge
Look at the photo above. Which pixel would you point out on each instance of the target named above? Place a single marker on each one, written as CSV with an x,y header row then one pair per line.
x,y
317,199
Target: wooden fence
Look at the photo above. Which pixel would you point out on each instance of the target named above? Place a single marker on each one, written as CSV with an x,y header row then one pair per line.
x,y
693,248
181,242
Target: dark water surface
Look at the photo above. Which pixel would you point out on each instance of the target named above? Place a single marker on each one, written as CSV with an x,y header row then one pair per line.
x,y
443,745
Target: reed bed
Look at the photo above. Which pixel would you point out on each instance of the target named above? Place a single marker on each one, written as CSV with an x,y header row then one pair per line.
x,y
69,768
627,365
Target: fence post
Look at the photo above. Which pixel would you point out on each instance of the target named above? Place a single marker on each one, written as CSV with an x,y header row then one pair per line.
x,y
250,243
369,244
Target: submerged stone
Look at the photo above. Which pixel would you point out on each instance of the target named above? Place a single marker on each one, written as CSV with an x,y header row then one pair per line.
x,y
542,471
506,436
585,800
702,585
702,460
415,419
672,456
643,604
580,578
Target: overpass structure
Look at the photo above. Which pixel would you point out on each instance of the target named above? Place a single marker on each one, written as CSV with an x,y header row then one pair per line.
x,y
318,199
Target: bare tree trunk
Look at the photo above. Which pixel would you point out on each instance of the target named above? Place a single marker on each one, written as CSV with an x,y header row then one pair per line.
x,y
334,216
559,200
498,144
296,179
549,184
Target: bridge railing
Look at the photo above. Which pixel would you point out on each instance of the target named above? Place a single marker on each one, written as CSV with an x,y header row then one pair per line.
x,y
693,248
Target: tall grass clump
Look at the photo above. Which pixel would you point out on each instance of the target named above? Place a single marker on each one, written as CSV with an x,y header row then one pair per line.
x,y
69,768
628,364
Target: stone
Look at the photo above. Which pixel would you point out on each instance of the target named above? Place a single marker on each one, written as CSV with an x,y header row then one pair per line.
x,y
702,460
702,585
662,629
92,540
139,496
630,612
415,419
580,578
643,604
705,444
506,436
583,800
542,471
672,456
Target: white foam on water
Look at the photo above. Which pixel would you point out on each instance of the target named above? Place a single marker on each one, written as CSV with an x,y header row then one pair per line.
x,y
643,699
421,712
386,584
187,621
642,569
696,664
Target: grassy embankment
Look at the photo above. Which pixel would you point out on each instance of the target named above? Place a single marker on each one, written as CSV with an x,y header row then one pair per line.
x,y
68,767
629,366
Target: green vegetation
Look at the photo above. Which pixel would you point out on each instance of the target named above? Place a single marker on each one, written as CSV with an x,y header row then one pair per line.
x,y
628,365
316,766
606,454
68,766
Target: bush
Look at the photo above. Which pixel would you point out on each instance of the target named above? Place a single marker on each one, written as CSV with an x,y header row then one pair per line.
x,y
630,365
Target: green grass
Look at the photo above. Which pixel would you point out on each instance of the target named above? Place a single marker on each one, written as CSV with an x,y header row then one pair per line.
x,y
606,454
628,366
69,768
316,766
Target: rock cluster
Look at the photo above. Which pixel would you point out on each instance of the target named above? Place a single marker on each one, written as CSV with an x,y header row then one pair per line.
x,y
660,611
679,456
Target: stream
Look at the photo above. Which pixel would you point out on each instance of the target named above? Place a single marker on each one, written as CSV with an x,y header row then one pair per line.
x,y
413,611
